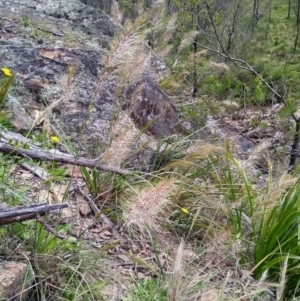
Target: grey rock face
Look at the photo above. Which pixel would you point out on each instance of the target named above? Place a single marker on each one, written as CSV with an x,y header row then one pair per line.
x,y
57,50
102,4
85,18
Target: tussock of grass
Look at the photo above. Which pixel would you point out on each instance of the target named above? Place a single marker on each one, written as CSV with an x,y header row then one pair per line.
x,y
145,208
276,240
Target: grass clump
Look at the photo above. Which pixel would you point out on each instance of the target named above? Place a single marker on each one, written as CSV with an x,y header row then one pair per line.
x,y
60,269
150,289
276,242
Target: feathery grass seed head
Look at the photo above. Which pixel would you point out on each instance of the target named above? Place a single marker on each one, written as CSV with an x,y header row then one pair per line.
x,y
149,203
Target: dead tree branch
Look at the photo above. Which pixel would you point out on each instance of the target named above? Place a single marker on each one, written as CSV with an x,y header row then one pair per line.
x,y
96,211
57,156
17,214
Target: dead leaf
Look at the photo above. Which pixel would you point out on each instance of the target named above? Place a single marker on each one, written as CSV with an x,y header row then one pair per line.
x,y
84,209
45,196
96,230
123,258
44,113
59,191
36,115
106,234
73,171
51,53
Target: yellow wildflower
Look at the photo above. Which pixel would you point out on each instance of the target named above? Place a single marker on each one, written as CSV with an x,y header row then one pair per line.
x,y
54,139
184,210
6,72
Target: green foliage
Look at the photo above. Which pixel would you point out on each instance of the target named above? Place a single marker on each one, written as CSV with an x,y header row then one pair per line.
x,y
277,239
236,191
218,86
182,222
150,289
92,180
259,94
288,110
6,82
60,266
57,172
25,21
165,154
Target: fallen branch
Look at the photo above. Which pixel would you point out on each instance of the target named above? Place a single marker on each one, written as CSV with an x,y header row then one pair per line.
x,y
57,156
17,214
96,211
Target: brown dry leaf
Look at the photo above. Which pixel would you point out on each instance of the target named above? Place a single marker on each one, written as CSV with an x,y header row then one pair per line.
x,y
96,230
47,126
123,258
59,191
84,209
45,196
141,276
105,234
51,53
73,171
42,114
68,215
25,174
36,114
211,295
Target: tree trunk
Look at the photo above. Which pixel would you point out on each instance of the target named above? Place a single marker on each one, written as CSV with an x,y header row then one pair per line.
x,y
269,19
295,148
298,26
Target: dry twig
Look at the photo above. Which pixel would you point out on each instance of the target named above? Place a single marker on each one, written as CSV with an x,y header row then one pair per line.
x,y
49,228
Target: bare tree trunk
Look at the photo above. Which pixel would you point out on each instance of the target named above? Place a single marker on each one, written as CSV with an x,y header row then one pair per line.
x,y
255,11
298,26
295,147
269,18
195,88
195,49
255,14
231,31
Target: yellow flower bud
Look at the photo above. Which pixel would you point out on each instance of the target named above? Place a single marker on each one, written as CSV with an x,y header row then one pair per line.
x,y
54,139
6,72
184,210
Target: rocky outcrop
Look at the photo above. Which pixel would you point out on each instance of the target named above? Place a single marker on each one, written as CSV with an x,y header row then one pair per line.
x,y
56,50
66,74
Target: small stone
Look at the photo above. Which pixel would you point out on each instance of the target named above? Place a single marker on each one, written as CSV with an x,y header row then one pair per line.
x,y
14,279
211,295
